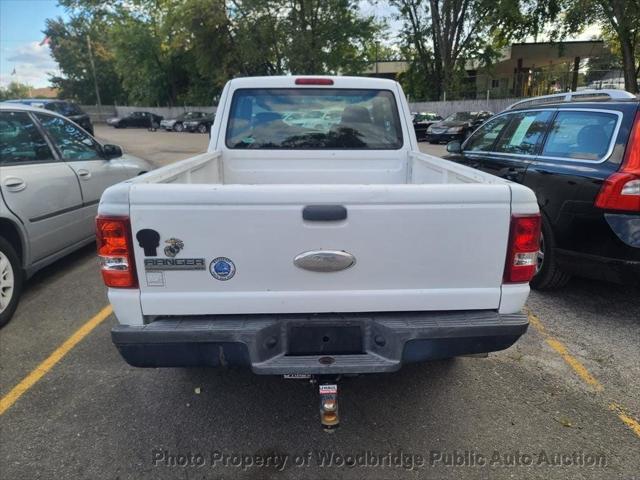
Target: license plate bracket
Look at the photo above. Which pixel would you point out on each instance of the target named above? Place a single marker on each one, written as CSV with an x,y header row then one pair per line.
x,y
329,339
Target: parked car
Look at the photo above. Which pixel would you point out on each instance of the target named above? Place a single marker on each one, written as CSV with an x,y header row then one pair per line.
x,y
52,174
314,119
456,126
422,121
177,124
580,154
64,107
136,119
297,252
200,125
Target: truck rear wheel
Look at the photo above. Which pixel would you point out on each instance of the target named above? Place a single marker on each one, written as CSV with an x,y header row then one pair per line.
x,y
11,278
548,275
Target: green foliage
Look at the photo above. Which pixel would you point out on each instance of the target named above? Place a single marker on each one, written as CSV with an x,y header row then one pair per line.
x,y
620,20
445,34
169,52
327,36
69,48
14,90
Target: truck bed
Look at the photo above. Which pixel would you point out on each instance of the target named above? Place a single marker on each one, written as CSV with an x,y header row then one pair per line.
x,y
273,168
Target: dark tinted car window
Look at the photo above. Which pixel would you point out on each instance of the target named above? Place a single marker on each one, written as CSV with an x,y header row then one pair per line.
x,y
20,140
260,119
461,117
72,142
524,132
64,108
421,117
486,136
191,115
580,135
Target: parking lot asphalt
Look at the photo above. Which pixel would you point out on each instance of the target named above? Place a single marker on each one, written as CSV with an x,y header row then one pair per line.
x,y
563,403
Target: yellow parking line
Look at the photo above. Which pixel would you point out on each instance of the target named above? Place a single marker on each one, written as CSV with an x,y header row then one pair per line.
x,y
582,371
57,355
626,418
562,350
574,363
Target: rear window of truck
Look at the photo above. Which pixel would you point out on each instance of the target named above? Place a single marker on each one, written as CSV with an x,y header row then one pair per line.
x,y
314,119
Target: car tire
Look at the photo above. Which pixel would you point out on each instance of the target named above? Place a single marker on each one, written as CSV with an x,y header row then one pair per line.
x,y
202,128
178,127
549,275
11,280
432,142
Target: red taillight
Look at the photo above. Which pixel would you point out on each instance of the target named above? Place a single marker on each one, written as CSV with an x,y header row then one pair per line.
x,y
115,250
621,191
524,243
314,81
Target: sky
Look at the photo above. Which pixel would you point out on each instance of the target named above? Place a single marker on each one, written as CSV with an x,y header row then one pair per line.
x,y
21,25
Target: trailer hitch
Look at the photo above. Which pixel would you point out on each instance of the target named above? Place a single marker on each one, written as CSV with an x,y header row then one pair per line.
x,y
328,390
329,413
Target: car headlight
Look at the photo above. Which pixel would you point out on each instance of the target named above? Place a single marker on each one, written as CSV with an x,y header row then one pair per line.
x,y
455,129
430,128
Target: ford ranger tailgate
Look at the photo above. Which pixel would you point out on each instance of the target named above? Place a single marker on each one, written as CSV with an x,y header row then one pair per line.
x,y
209,249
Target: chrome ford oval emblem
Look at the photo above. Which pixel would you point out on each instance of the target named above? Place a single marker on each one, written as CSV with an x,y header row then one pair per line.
x,y
324,260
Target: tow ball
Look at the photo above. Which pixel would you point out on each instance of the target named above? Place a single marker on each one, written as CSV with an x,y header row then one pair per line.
x,y
328,390
329,414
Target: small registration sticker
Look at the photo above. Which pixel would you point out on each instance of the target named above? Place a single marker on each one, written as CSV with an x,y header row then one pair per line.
x,y
296,376
328,389
155,279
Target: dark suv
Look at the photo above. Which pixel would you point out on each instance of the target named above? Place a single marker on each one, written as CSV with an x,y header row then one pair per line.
x,y
580,154
65,108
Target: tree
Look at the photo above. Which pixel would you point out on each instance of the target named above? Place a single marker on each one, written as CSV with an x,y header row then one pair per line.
x,y
621,19
327,36
68,44
172,51
444,34
15,90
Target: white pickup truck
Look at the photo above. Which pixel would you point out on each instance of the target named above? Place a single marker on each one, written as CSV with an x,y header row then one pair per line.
x,y
315,251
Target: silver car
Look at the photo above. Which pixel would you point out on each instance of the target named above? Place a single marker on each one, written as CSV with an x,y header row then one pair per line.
x,y
52,174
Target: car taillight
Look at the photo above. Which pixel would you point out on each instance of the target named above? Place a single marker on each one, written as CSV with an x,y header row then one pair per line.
x,y
621,191
115,250
524,243
314,81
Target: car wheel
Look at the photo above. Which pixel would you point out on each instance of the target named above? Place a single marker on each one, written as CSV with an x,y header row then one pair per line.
x,y
202,128
11,278
548,275
178,127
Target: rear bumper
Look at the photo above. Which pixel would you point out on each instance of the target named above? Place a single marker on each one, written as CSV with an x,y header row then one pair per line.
x,y
318,344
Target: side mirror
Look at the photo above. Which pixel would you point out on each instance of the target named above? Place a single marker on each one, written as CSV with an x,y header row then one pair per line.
x,y
111,151
454,146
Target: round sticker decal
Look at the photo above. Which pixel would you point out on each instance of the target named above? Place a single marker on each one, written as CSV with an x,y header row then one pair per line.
x,y
222,268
